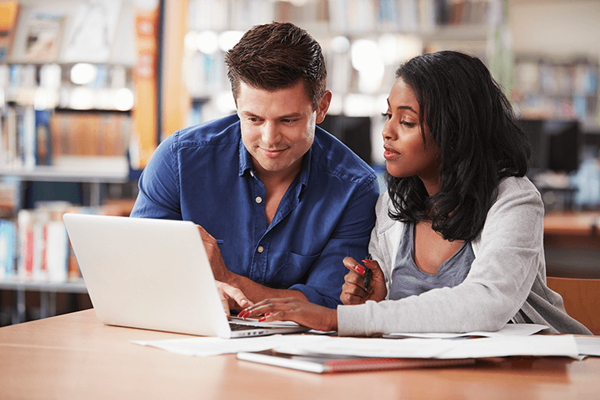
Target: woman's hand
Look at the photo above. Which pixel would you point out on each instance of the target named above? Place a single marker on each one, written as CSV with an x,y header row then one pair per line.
x,y
291,309
353,290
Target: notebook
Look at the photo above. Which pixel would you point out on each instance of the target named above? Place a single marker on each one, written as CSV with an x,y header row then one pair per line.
x,y
154,274
331,363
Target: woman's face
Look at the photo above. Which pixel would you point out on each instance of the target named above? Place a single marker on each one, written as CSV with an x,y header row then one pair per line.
x,y
406,152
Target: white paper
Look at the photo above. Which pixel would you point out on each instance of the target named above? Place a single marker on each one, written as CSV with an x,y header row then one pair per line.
x,y
370,347
507,330
505,346
588,345
540,345
211,346
497,346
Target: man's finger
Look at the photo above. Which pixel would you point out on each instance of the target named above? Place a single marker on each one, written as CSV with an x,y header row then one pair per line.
x,y
224,302
234,293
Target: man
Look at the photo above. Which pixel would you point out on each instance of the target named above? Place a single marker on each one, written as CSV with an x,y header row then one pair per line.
x,y
279,202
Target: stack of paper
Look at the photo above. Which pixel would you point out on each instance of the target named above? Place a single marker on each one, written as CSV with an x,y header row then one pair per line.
x,y
513,340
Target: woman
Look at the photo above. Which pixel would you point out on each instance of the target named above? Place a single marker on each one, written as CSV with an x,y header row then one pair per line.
x,y
458,243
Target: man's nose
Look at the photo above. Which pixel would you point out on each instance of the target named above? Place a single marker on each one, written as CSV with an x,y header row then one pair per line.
x,y
270,133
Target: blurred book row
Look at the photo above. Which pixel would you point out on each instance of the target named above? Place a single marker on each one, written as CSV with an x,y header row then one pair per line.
x,y
30,137
339,16
35,247
565,90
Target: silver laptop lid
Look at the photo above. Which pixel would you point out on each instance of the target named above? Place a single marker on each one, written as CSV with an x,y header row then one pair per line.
x,y
147,273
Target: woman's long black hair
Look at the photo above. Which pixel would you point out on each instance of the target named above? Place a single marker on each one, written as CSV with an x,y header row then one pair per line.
x,y
473,124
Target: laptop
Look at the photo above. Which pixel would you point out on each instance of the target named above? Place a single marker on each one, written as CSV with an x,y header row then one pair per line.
x,y
154,274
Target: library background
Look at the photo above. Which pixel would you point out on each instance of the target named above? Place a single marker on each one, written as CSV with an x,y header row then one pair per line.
x,y
89,88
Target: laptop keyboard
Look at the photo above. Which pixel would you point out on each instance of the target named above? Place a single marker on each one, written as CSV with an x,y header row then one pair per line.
x,y
240,327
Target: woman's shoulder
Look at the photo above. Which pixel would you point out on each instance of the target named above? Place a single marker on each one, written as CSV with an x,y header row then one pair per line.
x,y
515,191
514,184
382,208
518,207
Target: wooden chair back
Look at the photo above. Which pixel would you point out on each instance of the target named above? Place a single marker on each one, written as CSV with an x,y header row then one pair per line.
x,y
582,299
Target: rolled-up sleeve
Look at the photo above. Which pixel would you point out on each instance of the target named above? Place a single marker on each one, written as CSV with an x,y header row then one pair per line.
x,y
159,185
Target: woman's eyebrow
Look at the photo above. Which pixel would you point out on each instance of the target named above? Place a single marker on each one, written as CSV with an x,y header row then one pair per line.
x,y
406,108
401,107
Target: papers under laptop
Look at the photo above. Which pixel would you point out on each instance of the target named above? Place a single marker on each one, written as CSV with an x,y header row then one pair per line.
x,y
154,274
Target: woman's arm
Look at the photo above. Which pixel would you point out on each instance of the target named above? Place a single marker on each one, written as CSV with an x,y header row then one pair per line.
x,y
508,256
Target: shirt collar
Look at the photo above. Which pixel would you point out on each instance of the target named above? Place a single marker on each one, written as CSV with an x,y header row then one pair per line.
x,y
245,159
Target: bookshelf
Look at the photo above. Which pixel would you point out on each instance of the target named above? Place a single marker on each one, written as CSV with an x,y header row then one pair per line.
x,y
78,109
48,293
562,89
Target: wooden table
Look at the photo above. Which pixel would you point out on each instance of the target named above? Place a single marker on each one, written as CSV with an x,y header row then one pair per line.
x,y
579,224
74,356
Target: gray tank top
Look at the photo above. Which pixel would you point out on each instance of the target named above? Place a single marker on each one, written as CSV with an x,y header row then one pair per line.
x,y
408,279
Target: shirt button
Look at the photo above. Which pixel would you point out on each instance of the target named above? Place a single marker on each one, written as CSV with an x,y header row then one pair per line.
x,y
258,199
252,174
260,249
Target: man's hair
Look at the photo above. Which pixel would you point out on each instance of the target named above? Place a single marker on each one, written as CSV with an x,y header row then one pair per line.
x,y
474,126
277,56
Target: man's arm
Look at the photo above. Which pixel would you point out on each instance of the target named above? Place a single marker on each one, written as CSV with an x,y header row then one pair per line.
x,y
158,195
324,279
253,291
349,238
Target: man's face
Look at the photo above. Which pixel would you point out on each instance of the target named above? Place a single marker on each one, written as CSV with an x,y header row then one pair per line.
x,y
278,127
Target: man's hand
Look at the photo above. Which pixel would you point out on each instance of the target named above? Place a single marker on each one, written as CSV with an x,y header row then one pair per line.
x,y
252,291
353,290
232,297
215,258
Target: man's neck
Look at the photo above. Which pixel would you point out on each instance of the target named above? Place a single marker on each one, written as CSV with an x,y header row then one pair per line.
x,y
277,178
276,184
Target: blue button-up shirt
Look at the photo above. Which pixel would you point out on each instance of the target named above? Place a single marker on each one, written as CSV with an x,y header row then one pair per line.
x,y
204,174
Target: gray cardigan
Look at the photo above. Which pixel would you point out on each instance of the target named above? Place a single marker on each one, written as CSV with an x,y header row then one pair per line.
x,y
507,280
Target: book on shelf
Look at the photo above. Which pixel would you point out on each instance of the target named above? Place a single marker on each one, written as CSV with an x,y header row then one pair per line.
x,y
8,138
9,197
56,251
43,36
43,144
26,136
329,363
24,268
7,248
9,12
